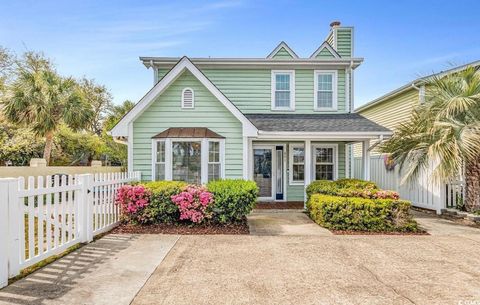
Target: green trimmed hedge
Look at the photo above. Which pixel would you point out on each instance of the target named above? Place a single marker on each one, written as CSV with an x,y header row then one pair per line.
x,y
233,199
361,214
349,188
161,208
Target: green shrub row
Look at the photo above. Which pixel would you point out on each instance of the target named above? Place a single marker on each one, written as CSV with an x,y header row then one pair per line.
x,y
349,188
233,200
361,214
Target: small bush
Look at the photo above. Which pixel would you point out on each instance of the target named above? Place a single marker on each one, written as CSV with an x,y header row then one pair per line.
x,y
193,203
133,201
349,188
233,199
361,214
161,208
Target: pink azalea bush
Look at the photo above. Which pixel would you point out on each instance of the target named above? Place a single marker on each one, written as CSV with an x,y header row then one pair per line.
x,y
193,203
132,199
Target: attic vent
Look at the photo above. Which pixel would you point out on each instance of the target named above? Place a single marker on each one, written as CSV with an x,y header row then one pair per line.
x,y
188,98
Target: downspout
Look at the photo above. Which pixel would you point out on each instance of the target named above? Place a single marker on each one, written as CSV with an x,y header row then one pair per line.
x,y
351,87
421,92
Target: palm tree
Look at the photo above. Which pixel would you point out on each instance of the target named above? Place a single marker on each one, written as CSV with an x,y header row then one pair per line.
x,y
40,99
444,132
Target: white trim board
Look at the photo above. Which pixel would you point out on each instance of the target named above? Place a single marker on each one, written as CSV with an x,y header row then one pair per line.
x,y
121,129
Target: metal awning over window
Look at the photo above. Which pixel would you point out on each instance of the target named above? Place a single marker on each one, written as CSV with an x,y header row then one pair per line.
x,y
188,132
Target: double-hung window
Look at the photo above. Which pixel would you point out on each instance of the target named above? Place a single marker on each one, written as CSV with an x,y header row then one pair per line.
x,y
325,95
297,164
324,162
283,90
214,162
159,157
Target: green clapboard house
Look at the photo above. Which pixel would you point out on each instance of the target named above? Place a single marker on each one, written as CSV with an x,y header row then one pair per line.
x,y
282,121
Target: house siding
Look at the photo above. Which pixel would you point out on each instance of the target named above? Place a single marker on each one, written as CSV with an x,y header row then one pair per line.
x,y
282,54
250,89
344,41
325,53
390,113
166,112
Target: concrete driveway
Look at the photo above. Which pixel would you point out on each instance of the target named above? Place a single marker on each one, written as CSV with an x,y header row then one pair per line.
x,y
443,268
289,261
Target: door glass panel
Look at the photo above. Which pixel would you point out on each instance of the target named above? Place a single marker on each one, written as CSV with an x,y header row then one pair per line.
x,y
186,161
262,171
279,173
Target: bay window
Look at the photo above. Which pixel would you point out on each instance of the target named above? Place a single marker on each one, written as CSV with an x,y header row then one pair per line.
x,y
196,160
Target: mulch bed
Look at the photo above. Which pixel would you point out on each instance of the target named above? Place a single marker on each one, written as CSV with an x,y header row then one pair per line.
x,y
349,232
184,229
297,205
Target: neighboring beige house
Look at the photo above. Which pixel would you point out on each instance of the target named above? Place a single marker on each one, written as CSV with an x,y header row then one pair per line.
x,y
389,111
396,106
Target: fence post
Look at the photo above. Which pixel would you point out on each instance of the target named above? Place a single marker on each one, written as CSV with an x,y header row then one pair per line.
x,y
85,202
13,218
5,199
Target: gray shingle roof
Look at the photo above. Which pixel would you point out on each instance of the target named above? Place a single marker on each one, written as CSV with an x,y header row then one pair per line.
x,y
345,122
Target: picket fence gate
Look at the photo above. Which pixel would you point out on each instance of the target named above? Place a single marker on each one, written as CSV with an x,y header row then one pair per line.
x,y
44,216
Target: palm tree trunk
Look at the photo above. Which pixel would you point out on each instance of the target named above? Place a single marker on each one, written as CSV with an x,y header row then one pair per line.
x,y
48,146
472,184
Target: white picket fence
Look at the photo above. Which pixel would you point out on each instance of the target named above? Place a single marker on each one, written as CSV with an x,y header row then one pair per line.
x,y
44,216
422,192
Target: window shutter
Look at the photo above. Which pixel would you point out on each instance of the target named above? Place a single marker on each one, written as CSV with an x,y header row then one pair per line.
x,y
187,98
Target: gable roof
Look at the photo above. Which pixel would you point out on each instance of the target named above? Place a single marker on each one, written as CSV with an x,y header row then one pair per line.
x,y
121,129
334,122
282,45
412,84
325,46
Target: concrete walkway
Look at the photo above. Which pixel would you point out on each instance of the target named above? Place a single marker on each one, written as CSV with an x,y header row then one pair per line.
x,y
109,271
283,222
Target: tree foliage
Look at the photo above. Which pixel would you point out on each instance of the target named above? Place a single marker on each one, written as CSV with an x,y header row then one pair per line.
x,y
444,132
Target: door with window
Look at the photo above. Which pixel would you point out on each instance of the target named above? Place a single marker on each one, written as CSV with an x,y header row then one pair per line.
x,y
268,171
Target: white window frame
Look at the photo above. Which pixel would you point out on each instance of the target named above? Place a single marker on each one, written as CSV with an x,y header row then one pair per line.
x,y
203,156
221,160
292,90
183,98
154,158
335,159
334,74
290,164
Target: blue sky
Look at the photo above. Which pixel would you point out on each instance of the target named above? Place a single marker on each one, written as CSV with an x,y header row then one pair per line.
x,y
400,40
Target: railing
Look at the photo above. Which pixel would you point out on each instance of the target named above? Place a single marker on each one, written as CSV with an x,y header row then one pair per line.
x,y
46,215
455,194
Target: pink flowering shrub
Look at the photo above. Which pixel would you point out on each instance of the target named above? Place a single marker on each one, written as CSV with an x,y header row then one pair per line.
x,y
193,203
382,194
132,199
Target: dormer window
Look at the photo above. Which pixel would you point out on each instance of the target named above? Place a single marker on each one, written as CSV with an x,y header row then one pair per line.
x,y
283,90
325,94
188,98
